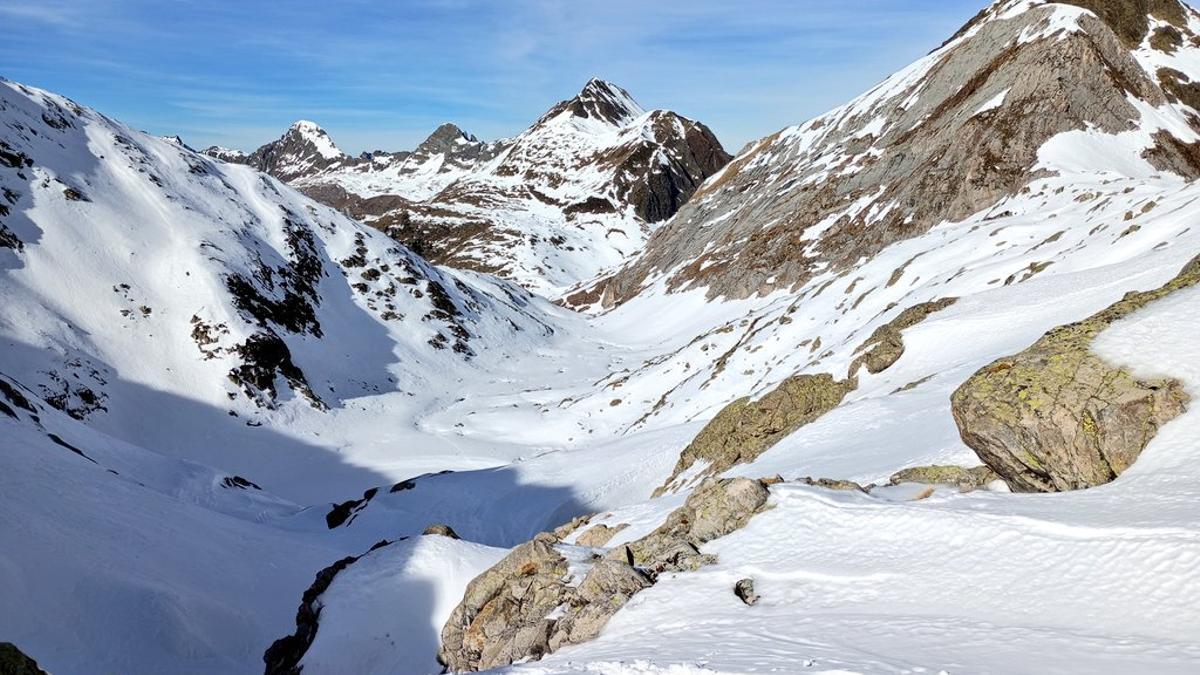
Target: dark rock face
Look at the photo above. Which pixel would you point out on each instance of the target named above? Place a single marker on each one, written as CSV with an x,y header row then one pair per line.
x,y
657,191
744,590
304,150
1056,417
14,662
746,428
284,655
526,606
1130,19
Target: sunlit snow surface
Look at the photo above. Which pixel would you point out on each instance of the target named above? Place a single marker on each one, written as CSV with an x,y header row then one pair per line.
x,y
161,568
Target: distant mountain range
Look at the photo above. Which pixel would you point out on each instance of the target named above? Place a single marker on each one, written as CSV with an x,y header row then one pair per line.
x,y
576,193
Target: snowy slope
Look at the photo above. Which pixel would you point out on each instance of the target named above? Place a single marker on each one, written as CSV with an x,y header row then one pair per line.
x,y
544,415
197,307
1098,581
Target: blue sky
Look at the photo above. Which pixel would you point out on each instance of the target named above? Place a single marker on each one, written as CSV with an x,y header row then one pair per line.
x,y
380,74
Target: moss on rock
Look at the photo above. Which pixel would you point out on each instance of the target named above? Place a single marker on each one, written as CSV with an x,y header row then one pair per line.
x,y
966,479
746,428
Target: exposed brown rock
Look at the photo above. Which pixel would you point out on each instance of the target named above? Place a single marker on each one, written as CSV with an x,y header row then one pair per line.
x,y
526,606
886,345
441,531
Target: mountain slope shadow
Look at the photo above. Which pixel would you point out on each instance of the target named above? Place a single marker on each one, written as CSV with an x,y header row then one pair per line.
x,y
383,612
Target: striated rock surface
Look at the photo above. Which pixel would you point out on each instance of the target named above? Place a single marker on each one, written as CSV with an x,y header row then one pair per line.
x,y
545,595
747,428
946,138
1057,417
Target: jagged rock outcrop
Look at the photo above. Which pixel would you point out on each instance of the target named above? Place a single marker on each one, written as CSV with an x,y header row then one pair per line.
x,y
1057,417
940,141
542,596
746,428
965,479
14,662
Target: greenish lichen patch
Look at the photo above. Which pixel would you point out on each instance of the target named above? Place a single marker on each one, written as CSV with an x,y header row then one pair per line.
x,y
1056,416
747,428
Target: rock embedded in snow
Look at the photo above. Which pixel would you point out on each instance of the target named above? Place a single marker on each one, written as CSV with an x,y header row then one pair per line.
x,y
965,479
886,345
441,531
1057,417
747,428
545,595
744,589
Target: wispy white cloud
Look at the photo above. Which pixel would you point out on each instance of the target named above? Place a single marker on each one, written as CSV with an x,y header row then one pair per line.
x,y
393,70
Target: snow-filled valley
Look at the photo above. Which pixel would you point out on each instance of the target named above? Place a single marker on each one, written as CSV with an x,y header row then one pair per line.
x,y
221,400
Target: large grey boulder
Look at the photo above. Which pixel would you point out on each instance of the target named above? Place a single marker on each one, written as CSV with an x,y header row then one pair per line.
x,y
1057,417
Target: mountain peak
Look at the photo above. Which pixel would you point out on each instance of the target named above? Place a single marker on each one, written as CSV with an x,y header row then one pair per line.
x,y
1131,20
605,101
307,126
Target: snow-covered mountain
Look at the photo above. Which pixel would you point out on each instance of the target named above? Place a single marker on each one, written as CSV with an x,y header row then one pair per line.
x,y
576,193
142,278
950,136
223,401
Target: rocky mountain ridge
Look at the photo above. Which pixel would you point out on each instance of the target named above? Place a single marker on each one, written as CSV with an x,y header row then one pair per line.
x,y
575,193
952,135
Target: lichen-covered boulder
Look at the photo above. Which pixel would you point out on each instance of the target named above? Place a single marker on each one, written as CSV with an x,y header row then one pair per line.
x,y
545,595
1057,417
746,428
505,613
713,510
966,479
